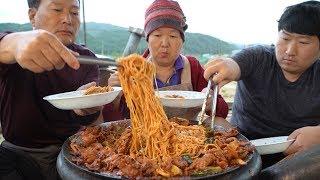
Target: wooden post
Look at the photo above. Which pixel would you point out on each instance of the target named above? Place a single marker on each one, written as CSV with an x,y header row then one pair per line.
x,y
133,41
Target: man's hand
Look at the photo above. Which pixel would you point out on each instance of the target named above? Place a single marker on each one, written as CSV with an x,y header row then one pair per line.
x,y
224,70
305,138
114,80
37,51
88,111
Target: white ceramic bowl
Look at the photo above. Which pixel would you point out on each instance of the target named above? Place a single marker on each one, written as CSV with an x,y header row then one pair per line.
x,y
77,99
272,145
190,99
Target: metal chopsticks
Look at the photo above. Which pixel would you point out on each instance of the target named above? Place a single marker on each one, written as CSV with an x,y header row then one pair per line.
x,y
108,69
213,105
205,101
97,61
102,62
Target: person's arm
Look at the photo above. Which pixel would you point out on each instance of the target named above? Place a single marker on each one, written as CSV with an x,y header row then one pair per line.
x,y
7,43
305,138
200,84
37,51
222,71
5,49
247,63
4,68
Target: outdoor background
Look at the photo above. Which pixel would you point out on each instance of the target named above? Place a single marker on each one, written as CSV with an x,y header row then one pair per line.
x,y
216,27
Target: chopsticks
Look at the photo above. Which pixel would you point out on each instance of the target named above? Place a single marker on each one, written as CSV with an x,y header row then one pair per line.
x,y
214,105
97,61
203,110
102,62
108,69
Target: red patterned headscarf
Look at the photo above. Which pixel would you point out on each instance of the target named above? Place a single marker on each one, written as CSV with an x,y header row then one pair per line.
x,y
164,13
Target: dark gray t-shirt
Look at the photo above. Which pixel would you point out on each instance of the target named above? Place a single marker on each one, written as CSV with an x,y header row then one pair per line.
x,y
266,104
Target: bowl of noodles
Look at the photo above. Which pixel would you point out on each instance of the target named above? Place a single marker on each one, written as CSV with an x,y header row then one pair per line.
x,y
91,97
181,99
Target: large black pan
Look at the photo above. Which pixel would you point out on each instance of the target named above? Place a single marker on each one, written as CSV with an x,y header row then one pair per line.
x,y
69,170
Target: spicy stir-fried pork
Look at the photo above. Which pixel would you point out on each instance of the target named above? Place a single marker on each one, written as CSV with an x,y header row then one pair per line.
x,y
107,149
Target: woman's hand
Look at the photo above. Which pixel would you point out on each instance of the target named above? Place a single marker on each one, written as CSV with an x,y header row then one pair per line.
x,y
305,138
114,80
87,111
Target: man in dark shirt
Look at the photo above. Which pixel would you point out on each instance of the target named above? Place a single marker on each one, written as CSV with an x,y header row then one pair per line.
x,y
35,64
278,91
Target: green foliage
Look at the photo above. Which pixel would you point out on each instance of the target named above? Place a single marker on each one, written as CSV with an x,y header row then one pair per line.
x,y
198,44
15,27
111,40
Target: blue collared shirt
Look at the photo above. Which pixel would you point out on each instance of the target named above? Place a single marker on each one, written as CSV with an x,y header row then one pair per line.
x,y
175,79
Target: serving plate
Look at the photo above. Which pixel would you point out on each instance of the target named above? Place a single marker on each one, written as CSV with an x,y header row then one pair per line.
x,y
67,156
77,99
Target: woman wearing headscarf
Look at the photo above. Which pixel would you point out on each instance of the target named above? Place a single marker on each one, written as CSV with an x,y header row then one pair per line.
x,y
164,28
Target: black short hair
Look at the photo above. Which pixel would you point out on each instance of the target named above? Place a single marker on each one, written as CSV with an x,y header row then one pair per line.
x,y
35,3
302,18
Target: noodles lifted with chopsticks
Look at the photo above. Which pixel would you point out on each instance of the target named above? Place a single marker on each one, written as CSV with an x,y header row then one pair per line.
x,y
153,135
153,145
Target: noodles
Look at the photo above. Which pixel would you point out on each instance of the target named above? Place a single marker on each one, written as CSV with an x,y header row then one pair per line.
x,y
97,89
154,145
153,135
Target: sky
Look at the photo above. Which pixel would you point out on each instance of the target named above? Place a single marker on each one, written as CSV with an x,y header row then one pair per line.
x,y
235,21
